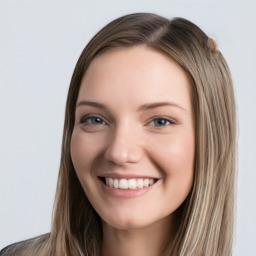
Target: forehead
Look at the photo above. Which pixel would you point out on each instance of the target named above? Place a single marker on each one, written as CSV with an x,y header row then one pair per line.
x,y
135,73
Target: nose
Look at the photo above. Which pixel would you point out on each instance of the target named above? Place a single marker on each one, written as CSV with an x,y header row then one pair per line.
x,y
124,147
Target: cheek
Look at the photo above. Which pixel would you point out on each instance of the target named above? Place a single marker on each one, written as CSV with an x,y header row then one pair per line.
x,y
84,150
181,153
176,153
182,166
176,160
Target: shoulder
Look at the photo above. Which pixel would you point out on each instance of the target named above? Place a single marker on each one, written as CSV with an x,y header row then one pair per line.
x,y
10,249
22,247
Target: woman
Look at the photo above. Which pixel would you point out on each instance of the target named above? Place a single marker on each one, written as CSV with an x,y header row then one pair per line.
x,y
149,146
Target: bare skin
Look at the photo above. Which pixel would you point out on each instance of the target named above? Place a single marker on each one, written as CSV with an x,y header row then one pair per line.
x,y
134,122
148,241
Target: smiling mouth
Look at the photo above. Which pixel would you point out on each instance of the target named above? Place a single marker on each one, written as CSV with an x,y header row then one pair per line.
x,y
128,183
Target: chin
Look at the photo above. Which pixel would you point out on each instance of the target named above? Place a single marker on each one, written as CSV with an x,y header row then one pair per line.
x,y
128,221
126,225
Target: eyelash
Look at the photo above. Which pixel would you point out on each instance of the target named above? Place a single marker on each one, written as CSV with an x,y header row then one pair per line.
x,y
169,121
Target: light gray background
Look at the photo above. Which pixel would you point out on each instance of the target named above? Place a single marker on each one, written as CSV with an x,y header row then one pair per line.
x,y
40,42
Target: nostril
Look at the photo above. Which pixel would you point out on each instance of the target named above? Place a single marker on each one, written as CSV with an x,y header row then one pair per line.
x,y
123,151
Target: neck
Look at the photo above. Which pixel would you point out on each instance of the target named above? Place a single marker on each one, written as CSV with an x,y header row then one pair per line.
x,y
146,241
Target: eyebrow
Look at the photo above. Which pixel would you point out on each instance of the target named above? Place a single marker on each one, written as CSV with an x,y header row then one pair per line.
x,y
143,107
148,106
92,104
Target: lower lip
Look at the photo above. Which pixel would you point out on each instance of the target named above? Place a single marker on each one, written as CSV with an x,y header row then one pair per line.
x,y
127,193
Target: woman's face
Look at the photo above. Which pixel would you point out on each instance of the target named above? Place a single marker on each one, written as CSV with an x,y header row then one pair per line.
x,y
133,141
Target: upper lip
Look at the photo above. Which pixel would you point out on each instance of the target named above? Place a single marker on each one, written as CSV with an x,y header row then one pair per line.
x,y
126,176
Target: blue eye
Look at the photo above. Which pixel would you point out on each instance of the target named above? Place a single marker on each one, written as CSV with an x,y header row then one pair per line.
x,y
161,122
93,120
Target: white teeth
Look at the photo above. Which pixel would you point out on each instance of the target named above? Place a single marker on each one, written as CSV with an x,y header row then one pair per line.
x,y
116,183
146,182
110,182
123,184
128,183
132,184
140,183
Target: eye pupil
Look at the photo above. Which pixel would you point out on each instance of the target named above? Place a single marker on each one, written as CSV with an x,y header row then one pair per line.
x,y
160,122
96,120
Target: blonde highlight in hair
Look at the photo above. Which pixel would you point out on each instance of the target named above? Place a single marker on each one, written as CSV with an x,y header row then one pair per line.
x,y
205,225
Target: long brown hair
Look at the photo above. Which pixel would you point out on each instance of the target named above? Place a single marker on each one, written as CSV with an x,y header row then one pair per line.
x,y
206,216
